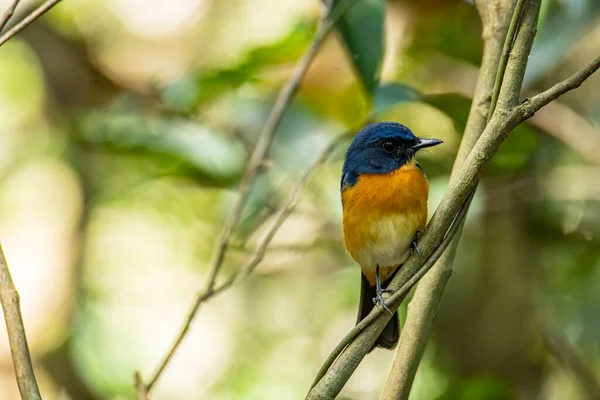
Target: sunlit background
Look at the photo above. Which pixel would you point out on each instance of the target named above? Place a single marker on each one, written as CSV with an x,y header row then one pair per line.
x,y
125,128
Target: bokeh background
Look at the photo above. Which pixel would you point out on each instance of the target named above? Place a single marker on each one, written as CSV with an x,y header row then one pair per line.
x,y
125,128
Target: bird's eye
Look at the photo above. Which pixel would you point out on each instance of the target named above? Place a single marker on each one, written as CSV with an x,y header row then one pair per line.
x,y
389,146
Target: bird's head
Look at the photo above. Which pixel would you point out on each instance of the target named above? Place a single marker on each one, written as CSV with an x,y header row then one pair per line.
x,y
381,148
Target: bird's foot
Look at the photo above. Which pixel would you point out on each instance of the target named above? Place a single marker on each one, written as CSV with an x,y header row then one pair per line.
x,y
414,245
379,298
379,291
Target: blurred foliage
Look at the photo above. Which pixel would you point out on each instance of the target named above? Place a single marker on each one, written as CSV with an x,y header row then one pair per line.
x,y
126,130
191,148
191,91
457,37
361,29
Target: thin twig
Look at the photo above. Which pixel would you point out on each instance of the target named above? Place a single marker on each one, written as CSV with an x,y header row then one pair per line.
x,y
283,213
249,267
262,145
25,22
256,159
564,352
8,14
140,388
530,106
19,349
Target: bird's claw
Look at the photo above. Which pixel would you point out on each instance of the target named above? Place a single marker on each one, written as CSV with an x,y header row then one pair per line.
x,y
414,245
379,291
379,299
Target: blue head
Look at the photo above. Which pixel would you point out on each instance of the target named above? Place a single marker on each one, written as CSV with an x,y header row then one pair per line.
x,y
381,148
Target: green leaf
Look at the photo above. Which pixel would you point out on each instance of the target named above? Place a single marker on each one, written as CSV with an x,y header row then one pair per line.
x,y
193,90
481,387
361,31
188,147
451,28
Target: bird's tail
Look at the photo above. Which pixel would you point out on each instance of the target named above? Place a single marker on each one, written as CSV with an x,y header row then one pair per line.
x,y
391,333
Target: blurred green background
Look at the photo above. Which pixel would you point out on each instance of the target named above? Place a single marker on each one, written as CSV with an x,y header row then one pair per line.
x,y
125,128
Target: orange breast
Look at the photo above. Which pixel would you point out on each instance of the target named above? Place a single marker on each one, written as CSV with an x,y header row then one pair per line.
x,y
381,214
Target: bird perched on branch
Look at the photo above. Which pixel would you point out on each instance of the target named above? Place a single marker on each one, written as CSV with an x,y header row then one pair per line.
x,y
384,201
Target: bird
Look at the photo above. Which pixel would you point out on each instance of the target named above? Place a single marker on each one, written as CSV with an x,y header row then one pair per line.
x,y
384,195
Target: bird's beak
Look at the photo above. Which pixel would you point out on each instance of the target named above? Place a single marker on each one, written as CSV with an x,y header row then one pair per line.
x,y
423,143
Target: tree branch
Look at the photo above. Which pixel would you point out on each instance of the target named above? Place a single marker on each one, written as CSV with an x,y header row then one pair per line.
x,y
8,14
244,271
19,349
506,49
262,146
496,25
564,352
501,124
530,106
25,22
283,100
510,90
494,20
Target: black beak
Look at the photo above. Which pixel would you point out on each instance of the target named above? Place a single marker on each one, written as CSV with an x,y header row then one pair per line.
x,y
423,143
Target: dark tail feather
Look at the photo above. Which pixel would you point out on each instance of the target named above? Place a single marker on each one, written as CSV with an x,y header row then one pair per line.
x,y
391,333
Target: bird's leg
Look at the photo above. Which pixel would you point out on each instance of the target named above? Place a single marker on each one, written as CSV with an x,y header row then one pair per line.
x,y
414,245
380,291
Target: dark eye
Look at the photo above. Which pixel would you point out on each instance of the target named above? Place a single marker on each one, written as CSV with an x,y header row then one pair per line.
x,y
389,146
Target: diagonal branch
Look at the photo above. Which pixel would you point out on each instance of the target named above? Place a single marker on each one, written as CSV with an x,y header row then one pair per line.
x,y
244,271
25,22
262,146
567,355
507,117
8,14
497,25
283,100
538,101
19,349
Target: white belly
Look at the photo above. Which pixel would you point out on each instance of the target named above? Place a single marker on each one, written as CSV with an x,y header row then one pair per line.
x,y
389,243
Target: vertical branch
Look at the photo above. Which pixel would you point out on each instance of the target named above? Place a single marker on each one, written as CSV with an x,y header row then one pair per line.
x,y
19,349
423,306
508,44
9,297
494,21
429,293
510,91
